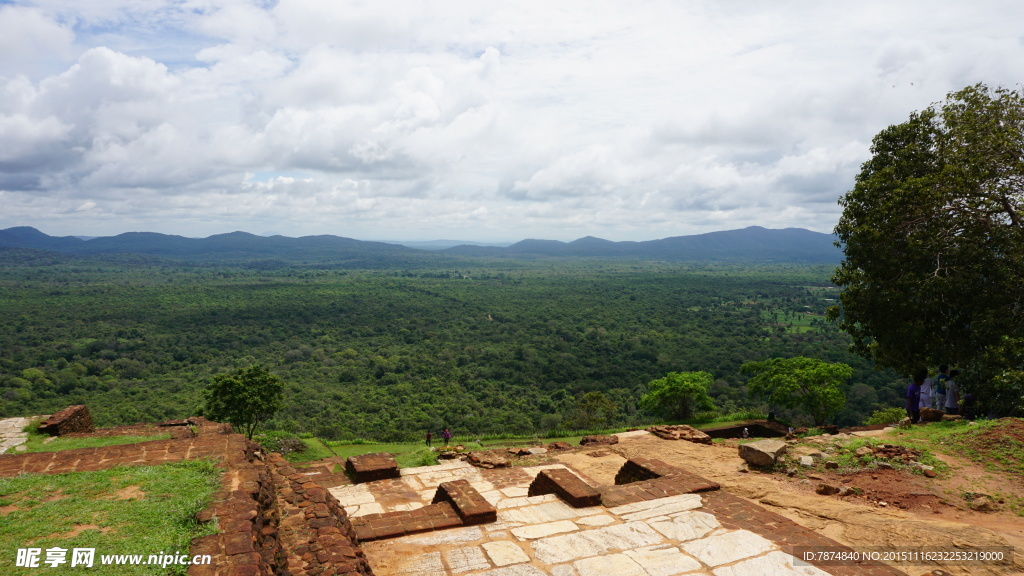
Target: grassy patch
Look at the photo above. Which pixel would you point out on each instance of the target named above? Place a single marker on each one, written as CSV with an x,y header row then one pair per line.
x,y
124,510
42,442
315,450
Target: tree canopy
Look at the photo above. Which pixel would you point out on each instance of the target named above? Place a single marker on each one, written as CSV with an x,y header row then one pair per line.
x,y
246,398
678,394
805,383
933,235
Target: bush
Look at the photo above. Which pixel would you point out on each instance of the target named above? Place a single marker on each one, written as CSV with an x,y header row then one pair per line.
x,y
282,442
886,416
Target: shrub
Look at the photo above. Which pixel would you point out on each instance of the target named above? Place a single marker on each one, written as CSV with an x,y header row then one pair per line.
x,y
282,442
885,416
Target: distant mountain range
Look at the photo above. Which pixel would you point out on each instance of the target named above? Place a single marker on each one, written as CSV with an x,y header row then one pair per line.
x,y
749,244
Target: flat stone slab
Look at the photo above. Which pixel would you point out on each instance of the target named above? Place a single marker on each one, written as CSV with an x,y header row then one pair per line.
x,y
504,553
465,559
596,542
611,565
515,570
535,531
543,513
658,507
688,526
664,560
771,564
729,547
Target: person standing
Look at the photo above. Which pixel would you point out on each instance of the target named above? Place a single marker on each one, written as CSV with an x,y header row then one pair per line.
x,y
940,387
429,437
926,393
914,397
446,435
952,393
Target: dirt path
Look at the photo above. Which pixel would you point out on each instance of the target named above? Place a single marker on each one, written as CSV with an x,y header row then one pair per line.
x,y
854,521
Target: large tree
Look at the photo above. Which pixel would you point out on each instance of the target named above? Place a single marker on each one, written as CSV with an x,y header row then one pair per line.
x,y
246,398
933,234
802,383
678,394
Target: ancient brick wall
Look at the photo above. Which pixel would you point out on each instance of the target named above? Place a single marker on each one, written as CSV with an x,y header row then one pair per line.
x,y
71,419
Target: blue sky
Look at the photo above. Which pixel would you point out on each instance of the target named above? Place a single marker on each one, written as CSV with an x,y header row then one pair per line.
x,y
474,121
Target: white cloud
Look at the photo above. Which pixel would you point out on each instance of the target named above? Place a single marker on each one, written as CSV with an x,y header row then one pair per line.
x,y
427,119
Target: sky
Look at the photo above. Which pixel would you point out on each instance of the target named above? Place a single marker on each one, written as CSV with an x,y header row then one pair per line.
x,y
487,121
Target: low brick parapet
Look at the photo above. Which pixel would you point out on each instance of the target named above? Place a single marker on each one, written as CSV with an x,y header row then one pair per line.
x,y
468,503
394,524
642,479
370,467
71,419
567,486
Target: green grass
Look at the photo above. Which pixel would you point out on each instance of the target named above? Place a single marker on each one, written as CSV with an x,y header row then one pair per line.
x,y
315,450
162,520
1001,452
39,443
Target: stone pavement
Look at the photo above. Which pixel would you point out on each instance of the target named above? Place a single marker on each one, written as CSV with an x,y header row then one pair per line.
x,y
11,434
542,535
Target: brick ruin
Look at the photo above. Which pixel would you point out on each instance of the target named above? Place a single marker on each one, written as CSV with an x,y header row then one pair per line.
x,y
71,419
275,520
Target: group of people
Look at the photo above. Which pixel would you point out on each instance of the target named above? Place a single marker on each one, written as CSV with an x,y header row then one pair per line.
x,y
942,393
446,435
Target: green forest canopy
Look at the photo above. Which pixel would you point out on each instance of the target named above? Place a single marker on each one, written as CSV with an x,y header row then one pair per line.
x,y
490,347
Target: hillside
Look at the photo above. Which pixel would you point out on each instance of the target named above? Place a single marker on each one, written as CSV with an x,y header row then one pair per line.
x,y
753,244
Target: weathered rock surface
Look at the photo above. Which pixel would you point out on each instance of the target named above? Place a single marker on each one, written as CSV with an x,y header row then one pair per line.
x,y
931,415
598,440
680,432
487,459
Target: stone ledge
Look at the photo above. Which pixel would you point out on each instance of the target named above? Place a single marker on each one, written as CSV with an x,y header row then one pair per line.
x,y
468,503
567,486
370,467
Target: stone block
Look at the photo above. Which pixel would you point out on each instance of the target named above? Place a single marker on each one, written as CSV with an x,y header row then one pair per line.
x,y
370,467
762,452
567,486
467,502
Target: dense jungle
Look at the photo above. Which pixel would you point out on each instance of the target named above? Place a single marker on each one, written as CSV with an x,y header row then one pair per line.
x,y
482,346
